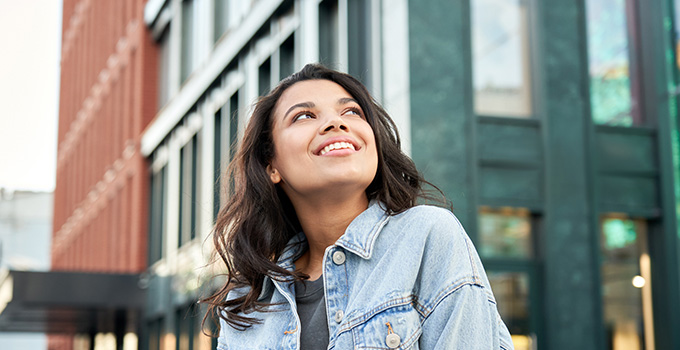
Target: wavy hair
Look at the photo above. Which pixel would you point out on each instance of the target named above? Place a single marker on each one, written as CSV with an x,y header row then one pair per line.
x,y
258,220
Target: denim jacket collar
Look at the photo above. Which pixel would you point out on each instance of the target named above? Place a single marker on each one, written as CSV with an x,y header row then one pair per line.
x,y
359,237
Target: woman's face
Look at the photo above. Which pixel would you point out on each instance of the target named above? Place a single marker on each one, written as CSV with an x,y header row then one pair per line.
x,y
322,142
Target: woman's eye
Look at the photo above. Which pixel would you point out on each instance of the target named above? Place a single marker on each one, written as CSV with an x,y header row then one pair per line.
x,y
354,111
302,116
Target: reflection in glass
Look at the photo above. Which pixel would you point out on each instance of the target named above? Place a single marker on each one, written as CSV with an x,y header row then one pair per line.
x,y
609,62
626,284
511,290
676,37
221,18
187,39
501,64
505,233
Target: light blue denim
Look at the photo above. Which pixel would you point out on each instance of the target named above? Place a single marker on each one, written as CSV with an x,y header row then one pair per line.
x,y
414,277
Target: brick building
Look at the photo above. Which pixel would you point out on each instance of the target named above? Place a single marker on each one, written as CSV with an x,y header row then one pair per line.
x,y
91,296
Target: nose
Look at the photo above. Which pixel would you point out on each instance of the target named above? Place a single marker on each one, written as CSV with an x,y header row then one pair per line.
x,y
334,122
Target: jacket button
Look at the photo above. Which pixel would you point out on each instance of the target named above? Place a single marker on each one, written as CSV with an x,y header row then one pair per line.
x,y
339,257
339,315
392,341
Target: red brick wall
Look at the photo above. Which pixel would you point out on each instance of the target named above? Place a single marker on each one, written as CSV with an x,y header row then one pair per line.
x,y
107,98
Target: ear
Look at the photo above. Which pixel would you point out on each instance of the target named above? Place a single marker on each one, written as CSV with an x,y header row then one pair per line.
x,y
273,174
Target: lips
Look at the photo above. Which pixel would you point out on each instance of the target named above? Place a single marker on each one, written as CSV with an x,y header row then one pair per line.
x,y
337,143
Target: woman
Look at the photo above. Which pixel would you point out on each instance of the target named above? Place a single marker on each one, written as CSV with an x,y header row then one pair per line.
x,y
324,244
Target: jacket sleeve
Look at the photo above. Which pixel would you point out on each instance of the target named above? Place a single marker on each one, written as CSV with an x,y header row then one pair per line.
x,y
465,319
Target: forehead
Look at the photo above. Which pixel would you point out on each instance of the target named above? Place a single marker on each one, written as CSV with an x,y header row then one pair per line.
x,y
315,91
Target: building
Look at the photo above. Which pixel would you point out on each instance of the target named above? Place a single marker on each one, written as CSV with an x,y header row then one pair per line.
x,y
551,125
92,296
25,235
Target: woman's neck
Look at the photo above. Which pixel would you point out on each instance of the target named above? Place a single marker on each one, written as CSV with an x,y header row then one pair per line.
x,y
323,222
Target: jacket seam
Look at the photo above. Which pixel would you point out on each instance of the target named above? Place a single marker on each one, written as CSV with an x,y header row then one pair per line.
x,y
427,311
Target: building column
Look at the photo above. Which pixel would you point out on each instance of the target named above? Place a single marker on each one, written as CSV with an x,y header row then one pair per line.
x,y
441,100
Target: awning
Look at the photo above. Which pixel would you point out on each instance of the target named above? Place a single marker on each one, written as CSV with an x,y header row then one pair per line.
x,y
72,302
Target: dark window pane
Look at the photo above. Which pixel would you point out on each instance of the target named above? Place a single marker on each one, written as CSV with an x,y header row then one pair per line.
x,y
194,183
164,68
221,18
217,163
287,57
511,290
359,40
264,77
328,33
626,286
187,39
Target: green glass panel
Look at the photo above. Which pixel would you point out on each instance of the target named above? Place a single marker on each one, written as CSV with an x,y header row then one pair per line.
x,y
505,233
610,90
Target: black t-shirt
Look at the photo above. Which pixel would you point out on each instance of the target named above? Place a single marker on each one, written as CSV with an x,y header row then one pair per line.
x,y
311,308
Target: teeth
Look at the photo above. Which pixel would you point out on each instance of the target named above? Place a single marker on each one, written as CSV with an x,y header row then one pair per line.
x,y
337,145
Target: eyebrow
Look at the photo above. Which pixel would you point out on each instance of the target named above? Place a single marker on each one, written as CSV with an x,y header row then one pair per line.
x,y
341,101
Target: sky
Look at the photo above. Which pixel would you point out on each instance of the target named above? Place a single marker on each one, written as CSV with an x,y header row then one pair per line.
x,y
30,41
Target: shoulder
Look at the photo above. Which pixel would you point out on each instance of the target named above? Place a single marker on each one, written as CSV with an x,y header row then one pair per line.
x,y
436,222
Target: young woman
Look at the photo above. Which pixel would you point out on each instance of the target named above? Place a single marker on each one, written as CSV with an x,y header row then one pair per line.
x,y
324,244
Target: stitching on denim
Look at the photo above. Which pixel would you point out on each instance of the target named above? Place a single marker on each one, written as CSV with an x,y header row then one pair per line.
x,y
376,310
448,291
404,343
468,243
407,341
370,238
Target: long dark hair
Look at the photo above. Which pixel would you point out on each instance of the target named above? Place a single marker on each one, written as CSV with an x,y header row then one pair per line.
x,y
258,220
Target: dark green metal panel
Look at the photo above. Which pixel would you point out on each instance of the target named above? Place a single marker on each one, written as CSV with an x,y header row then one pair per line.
x,y
629,194
571,293
510,184
441,100
622,149
509,140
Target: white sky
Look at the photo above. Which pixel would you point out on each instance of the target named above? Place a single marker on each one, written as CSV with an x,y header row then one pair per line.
x,y
30,42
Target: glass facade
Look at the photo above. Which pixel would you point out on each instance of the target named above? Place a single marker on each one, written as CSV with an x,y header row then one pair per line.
x,y
501,58
626,284
613,83
506,245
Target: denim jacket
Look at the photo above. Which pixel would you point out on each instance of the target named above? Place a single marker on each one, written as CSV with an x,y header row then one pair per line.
x,y
408,281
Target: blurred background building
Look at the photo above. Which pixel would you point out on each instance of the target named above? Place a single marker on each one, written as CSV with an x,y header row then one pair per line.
x,y
551,126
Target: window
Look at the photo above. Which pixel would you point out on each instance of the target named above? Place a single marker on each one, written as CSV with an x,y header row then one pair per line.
x,y
287,57
359,40
328,33
217,163
233,125
501,73
505,233
164,68
511,290
613,85
221,19
187,328
264,76
187,46
187,191
506,245
156,224
345,37
626,283
155,334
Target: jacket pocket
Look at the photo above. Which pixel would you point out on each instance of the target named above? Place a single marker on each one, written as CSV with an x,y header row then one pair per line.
x,y
398,327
